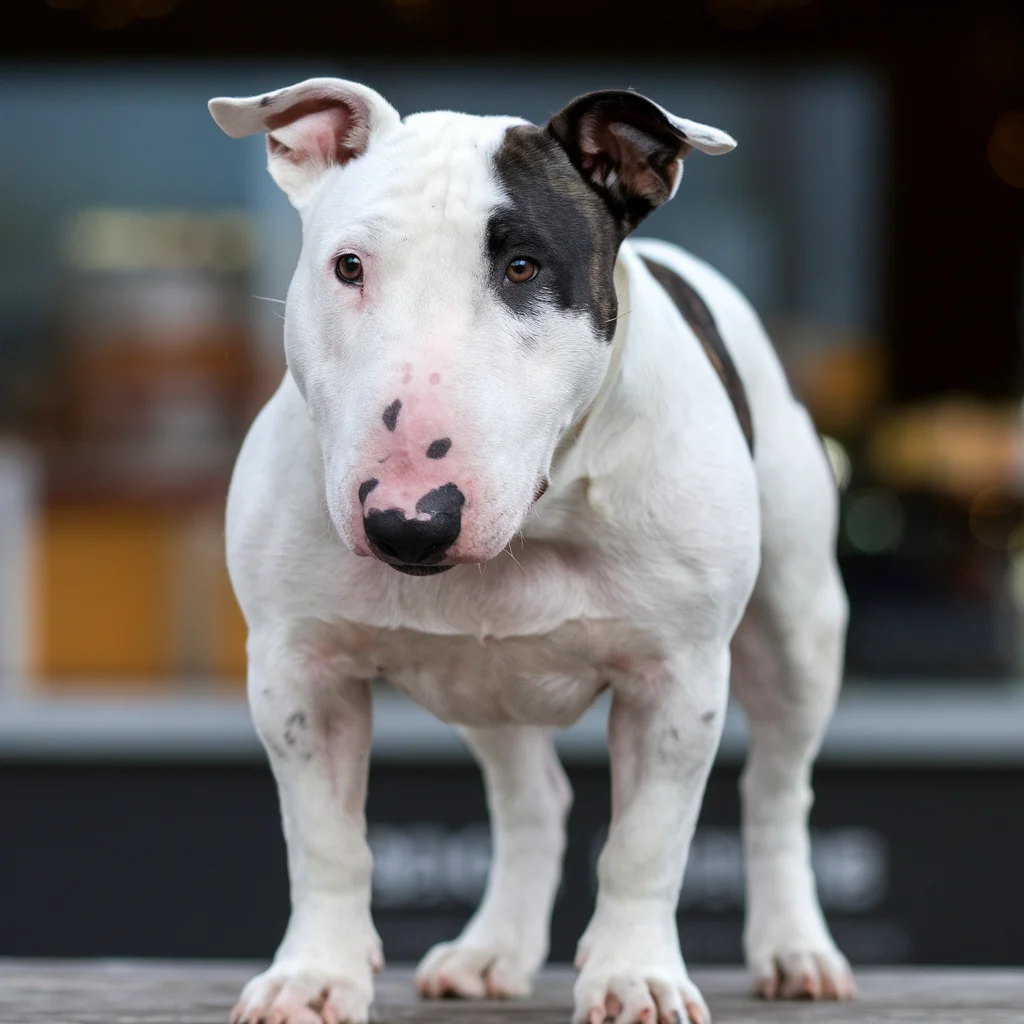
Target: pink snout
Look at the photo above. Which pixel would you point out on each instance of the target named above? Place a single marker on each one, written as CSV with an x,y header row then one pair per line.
x,y
411,508
416,485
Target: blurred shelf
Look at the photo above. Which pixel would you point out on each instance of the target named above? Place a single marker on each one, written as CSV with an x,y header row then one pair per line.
x,y
876,724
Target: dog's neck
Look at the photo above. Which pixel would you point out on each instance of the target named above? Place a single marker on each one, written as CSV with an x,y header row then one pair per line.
x,y
571,437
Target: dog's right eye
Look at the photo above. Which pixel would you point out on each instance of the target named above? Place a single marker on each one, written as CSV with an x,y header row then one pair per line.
x,y
349,268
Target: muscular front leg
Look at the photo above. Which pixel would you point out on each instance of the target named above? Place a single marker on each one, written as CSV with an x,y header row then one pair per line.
x,y
316,727
663,731
506,941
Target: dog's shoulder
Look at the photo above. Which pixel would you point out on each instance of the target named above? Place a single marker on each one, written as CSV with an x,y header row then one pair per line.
x,y
742,331
275,517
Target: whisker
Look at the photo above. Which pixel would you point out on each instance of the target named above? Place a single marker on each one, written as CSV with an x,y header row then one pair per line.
x,y
619,317
267,298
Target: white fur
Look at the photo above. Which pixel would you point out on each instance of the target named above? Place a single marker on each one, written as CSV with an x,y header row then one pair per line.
x,y
658,541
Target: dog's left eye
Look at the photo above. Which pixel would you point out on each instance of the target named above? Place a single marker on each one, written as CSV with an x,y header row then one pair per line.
x,y
349,268
520,271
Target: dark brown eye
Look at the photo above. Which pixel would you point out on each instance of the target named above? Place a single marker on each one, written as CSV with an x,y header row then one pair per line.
x,y
349,268
520,271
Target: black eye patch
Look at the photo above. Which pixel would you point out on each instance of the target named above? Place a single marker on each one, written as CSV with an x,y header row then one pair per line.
x,y
552,216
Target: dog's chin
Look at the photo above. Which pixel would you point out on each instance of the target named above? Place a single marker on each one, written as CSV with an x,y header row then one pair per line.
x,y
420,570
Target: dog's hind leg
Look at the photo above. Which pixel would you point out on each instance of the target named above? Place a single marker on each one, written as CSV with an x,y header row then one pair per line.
x,y
787,667
506,941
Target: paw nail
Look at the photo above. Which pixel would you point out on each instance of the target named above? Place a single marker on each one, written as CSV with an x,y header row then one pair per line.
x,y
695,1013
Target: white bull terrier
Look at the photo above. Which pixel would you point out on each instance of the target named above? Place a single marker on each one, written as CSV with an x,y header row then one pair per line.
x,y
502,471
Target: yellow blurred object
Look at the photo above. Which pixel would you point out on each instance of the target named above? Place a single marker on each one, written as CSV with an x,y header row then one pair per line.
x,y
956,447
135,597
106,597
229,659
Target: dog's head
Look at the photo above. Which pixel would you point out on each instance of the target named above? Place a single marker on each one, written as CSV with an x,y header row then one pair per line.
x,y
452,312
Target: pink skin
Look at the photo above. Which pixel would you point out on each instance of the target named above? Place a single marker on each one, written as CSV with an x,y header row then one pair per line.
x,y
398,462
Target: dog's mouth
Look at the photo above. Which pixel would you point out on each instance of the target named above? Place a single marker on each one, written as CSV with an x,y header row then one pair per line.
x,y
420,570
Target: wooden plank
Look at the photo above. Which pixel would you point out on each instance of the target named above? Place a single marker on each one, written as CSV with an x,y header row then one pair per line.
x,y
202,993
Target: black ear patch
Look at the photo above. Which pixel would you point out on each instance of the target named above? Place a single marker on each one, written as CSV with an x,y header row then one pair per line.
x,y
626,147
551,216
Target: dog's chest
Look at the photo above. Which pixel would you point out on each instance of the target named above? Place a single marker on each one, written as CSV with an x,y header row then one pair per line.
x,y
550,679
524,644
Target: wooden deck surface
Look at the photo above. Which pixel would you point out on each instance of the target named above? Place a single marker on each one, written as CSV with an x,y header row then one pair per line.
x,y
146,992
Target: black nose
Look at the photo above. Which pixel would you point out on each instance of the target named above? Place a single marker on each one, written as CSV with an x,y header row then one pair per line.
x,y
418,541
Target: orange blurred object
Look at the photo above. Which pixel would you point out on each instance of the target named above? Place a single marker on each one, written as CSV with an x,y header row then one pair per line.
x,y
135,597
956,447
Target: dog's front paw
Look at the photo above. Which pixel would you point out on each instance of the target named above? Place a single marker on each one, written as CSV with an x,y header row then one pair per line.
x,y
299,991
635,978
473,972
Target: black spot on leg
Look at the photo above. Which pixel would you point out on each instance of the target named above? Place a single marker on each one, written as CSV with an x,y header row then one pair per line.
x,y
669,746
708,717
365,487
265,101
439,449
294,724
390,416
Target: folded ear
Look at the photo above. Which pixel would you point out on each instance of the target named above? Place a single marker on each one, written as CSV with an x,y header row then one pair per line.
x,y
630,149
311,127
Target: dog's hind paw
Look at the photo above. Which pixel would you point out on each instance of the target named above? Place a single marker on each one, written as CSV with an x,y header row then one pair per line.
x,y
452,969
306,995
639,996
803,974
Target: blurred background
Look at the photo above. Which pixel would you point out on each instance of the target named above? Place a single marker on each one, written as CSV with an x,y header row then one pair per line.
x,y
873,212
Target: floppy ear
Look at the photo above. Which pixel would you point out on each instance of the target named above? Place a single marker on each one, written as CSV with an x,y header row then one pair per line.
x,y
630,149
311,127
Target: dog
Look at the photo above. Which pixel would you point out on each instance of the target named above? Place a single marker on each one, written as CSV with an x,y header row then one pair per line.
x,y
518,459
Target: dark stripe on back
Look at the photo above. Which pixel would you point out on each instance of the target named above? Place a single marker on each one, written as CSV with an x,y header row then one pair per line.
x,y
696,313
